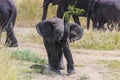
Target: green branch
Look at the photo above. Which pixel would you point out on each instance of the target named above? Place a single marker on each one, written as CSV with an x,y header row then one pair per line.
x,y
72,11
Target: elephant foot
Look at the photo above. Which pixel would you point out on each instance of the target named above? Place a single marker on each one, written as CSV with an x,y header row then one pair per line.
x,y
71,71
62,67
56,70
12,45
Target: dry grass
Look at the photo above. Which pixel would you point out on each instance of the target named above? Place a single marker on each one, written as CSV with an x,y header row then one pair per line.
x,y
99,40
30,15
91,40
7,68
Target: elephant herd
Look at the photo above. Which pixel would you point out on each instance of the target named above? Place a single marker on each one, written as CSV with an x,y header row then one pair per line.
x,y
57,33
99,11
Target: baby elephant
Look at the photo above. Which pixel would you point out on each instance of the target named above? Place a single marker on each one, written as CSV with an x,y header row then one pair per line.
x,y
57,35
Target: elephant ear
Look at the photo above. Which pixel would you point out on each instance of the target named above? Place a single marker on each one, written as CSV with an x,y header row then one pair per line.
x,y
45,28
76,32
51,30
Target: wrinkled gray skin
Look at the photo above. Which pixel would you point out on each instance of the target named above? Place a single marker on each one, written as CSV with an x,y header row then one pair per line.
x,y
104,11
7,20
56,36
62,7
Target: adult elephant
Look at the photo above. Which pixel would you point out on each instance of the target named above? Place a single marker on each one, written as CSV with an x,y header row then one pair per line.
x,y
104,11
62,7
56,36
8,16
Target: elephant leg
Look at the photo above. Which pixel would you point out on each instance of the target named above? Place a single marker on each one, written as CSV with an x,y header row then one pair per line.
x,y
94,21
118,26
14,16
61,59
62,7
68,56
53,59
11,40
47,46
76,19
5,19
45,9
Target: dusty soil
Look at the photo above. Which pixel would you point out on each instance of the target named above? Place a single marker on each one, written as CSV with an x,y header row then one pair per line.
x,y
85,60
85,63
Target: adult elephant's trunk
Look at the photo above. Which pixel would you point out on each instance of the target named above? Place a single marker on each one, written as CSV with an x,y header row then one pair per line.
x,y
66,33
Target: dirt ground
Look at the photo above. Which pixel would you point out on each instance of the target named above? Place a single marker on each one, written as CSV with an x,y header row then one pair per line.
x,y
85,60
85,66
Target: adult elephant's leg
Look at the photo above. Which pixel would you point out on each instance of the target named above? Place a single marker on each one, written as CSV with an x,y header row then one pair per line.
x,y
11,40
45,8
52,53
5,18
94,21
68,56
101,25
8,25
14,16
62,7
76,19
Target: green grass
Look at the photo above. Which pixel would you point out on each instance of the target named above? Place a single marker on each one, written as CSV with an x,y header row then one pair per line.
x,y
27,55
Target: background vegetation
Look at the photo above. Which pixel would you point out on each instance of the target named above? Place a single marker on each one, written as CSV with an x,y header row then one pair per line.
x,y
30,12
7,69
30,15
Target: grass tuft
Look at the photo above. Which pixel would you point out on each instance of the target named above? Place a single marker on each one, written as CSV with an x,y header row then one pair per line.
x,y
27,55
